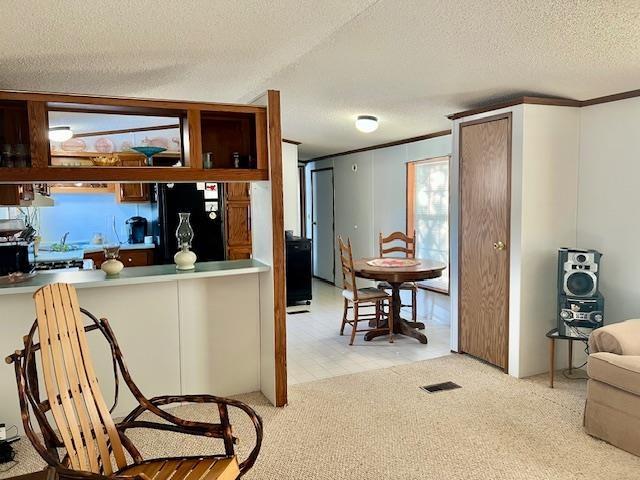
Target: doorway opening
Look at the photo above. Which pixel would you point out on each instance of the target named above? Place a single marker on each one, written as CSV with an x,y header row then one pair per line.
x,y
323,224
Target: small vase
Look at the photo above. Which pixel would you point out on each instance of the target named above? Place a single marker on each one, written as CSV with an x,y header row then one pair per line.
x,y
185,259
112,267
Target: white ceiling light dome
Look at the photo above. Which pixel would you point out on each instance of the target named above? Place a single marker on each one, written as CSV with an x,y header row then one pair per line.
x,y
60,134
367,123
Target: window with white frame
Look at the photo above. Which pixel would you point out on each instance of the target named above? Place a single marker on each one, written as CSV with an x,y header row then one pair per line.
x,y
428,213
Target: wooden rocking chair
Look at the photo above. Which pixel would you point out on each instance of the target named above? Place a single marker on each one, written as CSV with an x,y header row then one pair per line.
x,y
95,445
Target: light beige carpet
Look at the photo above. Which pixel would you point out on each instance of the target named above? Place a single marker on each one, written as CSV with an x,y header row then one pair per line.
x,y
379,425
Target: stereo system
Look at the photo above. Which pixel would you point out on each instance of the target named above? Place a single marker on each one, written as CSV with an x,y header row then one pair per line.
x,y
580,303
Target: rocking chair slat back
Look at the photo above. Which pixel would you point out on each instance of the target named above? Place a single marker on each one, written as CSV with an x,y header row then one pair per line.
x,y
78,407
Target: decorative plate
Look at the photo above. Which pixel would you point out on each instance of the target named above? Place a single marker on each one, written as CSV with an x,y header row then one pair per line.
x,y
104,145
159,142
74,145
393,262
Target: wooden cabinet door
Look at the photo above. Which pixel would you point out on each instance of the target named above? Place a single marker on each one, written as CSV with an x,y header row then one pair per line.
x,y
238,253
136,258
237,191
130,258
238,224
485,190
238,220
133,192
9,195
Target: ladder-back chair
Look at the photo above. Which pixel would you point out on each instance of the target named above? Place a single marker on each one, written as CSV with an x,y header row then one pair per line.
x,y
362,299
398,242
95,446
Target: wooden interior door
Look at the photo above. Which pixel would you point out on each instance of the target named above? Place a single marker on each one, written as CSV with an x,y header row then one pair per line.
x,y
485,205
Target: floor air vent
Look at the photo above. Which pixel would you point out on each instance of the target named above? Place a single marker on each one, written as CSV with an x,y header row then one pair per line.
x,y
296,312
440,387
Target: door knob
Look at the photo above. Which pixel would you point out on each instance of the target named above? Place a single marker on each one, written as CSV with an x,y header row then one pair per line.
x,y
499,246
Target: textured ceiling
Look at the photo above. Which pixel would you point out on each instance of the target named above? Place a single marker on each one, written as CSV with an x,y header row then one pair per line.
x,y
410,62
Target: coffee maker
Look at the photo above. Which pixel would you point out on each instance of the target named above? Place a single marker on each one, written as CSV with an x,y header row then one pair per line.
x,y
137,229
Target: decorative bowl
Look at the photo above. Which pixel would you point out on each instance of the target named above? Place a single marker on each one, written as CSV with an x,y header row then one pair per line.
x,y
148,151
106,160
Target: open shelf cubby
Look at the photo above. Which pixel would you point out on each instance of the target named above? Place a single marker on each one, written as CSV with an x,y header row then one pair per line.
x,y
225,135
15,150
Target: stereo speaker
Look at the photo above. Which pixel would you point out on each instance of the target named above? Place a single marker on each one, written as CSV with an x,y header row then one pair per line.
x,y
580,303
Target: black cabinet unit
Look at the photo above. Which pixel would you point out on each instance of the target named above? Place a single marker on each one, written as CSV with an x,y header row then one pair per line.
x,y
298,270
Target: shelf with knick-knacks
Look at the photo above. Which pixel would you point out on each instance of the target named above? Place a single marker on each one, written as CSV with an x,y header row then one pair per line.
x,y
77,138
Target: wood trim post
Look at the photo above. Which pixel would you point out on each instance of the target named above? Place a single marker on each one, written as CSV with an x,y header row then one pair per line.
x,y
261,146
39,134
193,151
277,212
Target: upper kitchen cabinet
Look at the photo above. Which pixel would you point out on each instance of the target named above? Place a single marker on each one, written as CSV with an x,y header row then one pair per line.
x,y
72,138
15,148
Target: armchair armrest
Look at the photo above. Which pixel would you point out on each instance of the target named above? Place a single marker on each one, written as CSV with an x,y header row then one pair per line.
x,y
620,338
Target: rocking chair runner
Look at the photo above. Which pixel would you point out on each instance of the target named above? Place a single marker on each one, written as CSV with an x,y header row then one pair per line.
x,y
92,440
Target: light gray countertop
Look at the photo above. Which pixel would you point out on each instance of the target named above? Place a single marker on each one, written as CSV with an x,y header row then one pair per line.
x,y
135,275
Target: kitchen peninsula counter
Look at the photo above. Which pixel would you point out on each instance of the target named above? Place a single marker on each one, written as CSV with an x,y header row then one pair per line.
x,y
191,332
135,275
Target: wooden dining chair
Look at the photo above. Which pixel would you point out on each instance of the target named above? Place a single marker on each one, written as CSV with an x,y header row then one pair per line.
x,y
398,242
362,300
95,447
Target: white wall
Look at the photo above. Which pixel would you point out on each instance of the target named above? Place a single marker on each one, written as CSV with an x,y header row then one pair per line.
x,y
549,213
262,250
608,201
291,187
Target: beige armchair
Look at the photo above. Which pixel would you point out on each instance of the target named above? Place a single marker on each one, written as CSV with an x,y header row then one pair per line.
x,y
612,411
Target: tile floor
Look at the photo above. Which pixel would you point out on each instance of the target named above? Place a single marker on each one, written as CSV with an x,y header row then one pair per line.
x,y
316,350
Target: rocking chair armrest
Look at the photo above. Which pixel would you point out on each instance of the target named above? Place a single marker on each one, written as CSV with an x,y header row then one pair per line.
x,y
190,427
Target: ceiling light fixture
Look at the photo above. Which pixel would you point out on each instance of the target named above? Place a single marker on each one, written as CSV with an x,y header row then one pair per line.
x,y
367,123
60,134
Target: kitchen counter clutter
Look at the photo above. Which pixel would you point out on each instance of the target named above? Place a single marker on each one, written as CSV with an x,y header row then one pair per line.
x,y
79,252
135,276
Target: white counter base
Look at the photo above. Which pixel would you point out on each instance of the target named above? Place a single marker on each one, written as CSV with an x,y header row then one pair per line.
x,y
181,333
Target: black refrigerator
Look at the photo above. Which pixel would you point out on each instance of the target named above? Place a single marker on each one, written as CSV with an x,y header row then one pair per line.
x,y
205,203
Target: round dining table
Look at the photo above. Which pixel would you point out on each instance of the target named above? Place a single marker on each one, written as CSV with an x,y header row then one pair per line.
x,y
395,276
